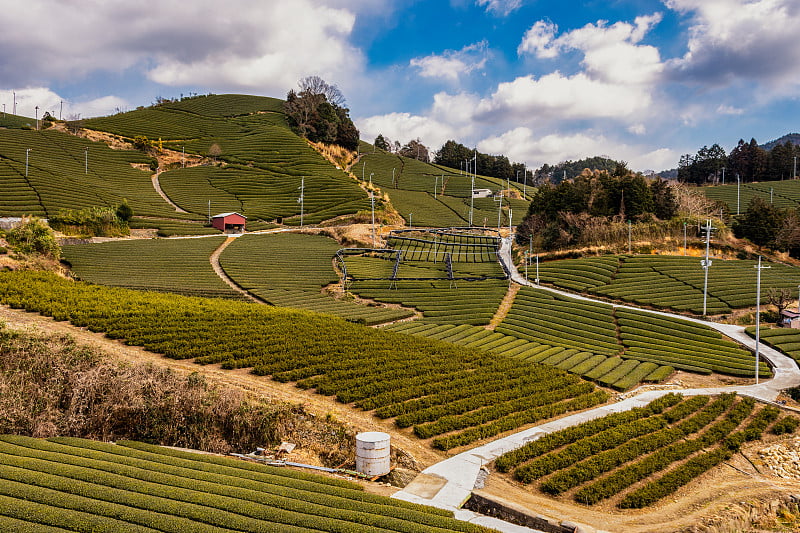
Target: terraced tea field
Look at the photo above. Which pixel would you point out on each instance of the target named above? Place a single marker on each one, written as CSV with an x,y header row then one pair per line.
x,y
290,270
669,282
374,369
436,196
636,458
784,339
785,194
181,265
69,484
57,176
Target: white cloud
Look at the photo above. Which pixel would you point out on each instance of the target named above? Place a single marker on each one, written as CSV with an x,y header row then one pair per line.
x,y
611,53
500,8
57,106
453,63
522,144
404,127
264,46
538,40
555,96
740,39
637,129
723,109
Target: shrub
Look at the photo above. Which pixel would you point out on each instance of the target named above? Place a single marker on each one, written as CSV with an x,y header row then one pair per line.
x,y
33,235
787,424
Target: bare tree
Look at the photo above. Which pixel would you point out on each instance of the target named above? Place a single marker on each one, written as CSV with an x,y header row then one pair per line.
x,y
314,85
780,298
214,151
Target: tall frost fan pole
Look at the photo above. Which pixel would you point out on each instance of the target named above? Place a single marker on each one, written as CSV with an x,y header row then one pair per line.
x,y
472,187
209,211
759,268
706,264
372,201
301,200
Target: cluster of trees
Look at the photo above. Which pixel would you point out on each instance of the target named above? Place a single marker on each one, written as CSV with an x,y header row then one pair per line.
x,y
318,113
748,160
456,155
568,170
559,213
413,149
770,226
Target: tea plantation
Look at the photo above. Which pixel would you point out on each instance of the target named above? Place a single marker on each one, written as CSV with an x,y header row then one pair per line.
x,y
69,484
635,458
436,196
670,282
785,194
464,395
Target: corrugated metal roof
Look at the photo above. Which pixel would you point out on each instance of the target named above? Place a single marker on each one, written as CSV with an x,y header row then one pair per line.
x,y
222,215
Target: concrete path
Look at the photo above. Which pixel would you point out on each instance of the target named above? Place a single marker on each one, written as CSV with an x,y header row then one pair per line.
x,y
458,474
162,194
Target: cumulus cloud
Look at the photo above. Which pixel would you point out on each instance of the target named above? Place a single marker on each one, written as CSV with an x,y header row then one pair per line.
x,y
51,102
266,46
500,8
538,40
453,63
522,144
556,96
739,39
404,127
610,53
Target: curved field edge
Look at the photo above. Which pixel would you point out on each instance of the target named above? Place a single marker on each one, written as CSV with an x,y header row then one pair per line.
x,y
460,395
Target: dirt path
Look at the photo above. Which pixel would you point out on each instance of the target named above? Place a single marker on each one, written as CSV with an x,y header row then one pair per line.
x,y
214,259
157,187
262,387
504,307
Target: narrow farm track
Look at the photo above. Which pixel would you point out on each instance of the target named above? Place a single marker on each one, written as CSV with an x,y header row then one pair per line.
x,y
214,259
160,191
458,474
504,307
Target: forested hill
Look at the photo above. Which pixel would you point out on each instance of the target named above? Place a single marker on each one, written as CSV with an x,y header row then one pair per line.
x,y
793,138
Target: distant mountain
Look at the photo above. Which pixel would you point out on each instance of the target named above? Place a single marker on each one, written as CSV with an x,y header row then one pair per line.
x,y
671,174
794,138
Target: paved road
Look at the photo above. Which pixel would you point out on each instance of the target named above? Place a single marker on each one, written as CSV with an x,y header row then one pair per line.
x,y
459,473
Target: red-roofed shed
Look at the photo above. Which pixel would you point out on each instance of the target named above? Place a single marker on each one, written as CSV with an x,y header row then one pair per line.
x,y
229,222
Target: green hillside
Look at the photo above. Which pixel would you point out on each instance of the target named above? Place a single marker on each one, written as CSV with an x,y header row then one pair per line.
x,y
69,484
784,194
58,178
433,195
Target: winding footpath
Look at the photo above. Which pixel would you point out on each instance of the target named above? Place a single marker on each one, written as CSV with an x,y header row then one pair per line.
x,y
449,483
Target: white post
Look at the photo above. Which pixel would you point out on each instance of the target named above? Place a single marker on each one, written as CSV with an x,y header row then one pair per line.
x,y
409,219
14,102
363,168
302,198
471,199
537,269
758,312
393,182
706,265
27,151
510,217
527,260
524,182
36,109
770,195
86,160
372,201
723,175
183,156
500,210
209,211
370,178
738,193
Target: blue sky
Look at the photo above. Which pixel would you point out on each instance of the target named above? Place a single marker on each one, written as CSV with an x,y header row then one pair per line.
x,y
540,81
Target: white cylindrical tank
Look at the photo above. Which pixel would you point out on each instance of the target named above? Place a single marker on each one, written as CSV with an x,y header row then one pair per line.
x,y
373,453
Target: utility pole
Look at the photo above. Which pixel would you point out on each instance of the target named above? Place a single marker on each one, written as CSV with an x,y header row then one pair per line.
x,y
706,264
27,151
183,156
510,217
14,102
409,219
209,211
759,268
61,111
86,160
301,200
393,182
537,269
770,195
4,110
794,171
738,193
500,210
363,168
723,175
684,238
472,187
372,201
370,178
36,109
629,238
527,260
